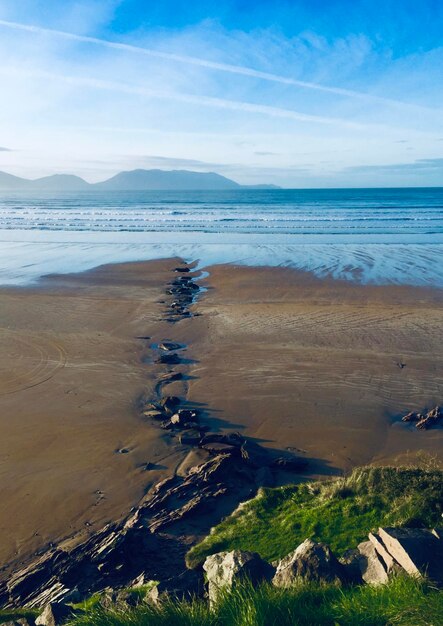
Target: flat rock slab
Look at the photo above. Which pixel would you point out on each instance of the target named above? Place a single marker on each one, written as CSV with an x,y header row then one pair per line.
x,y
373,570
381,550
417,550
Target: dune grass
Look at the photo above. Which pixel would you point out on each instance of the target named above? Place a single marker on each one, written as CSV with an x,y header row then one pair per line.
x,y
404,602
339,512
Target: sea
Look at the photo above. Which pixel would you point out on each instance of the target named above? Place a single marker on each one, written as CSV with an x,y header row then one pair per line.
x,y
365,235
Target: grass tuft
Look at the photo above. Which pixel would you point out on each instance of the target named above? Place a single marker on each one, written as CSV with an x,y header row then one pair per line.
x,y
404,602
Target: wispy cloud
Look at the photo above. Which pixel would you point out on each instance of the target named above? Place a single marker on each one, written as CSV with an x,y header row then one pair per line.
x,y
418,166
205,63
209,101
161,161
3,149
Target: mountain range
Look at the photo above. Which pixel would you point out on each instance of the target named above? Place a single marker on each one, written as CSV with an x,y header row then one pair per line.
x,y
135,180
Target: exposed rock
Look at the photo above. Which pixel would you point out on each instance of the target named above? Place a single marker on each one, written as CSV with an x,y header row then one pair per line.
x,y
224,569
426,420
381,550
417,550
220,448
411,417
178,420
155,415
170,377
169,404
190,437
350,560
233,439
169,359
289,464
54,614
310,561
373,570
19,621
182,269
167,346
188,414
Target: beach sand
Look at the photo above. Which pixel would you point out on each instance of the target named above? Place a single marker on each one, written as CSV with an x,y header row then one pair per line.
x,y
296,362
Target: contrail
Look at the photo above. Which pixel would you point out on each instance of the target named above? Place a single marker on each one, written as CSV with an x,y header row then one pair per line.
x,y
223,67
221,103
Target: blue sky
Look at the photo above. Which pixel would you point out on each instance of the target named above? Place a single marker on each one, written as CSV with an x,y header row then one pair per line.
x,y
298,93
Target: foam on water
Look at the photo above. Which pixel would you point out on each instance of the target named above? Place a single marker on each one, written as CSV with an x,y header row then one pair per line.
x,y
382,236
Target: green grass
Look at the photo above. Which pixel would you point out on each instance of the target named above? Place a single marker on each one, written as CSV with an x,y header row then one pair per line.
x,y
404,602
339,512
7,615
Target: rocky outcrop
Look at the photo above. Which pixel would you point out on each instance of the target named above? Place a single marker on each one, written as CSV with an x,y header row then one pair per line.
x,y
417,550
310,561
225,569
425,420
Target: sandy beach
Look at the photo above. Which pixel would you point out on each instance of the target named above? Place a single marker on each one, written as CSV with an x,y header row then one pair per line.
x,y
320,367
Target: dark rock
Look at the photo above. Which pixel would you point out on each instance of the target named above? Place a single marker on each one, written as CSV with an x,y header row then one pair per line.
x,y
169,359
186,586
350,561
310,561
170,377
167,346
233,439
182,269
289,464
190,437
188,414
220,448
225,569
169,404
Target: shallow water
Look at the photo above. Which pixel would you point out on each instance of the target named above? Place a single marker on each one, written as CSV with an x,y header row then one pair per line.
x,y
372,235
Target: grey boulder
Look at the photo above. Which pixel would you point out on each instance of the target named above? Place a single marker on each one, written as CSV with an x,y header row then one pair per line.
x,y
225,569
310,561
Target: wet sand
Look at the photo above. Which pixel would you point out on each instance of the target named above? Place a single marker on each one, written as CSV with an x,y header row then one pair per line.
x,y
71,374
314,365
293,361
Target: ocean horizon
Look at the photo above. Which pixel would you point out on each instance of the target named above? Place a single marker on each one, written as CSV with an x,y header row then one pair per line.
x,y
376,235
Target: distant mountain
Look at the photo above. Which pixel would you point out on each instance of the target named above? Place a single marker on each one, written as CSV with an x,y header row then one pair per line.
x,y
8,181
59,182
140,180
135,180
